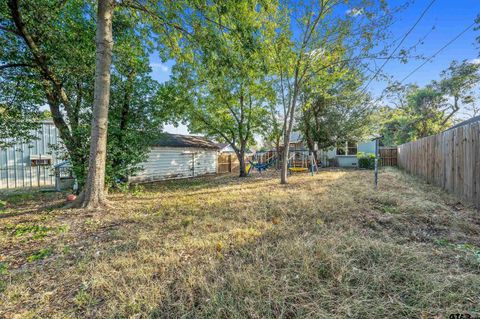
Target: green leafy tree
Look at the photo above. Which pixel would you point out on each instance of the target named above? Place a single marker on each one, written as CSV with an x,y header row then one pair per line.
x,y
18,124
458,83
423,115
225,80
419,112
47,56
342,113
313,40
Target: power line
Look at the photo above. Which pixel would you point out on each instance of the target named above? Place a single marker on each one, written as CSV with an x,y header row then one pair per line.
x,y
439,50
399,44
428,60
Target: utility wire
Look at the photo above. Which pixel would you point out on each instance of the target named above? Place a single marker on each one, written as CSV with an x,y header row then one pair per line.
x,y
428,60
399,44
438,52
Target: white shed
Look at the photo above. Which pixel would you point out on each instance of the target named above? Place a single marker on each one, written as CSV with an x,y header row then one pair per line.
x,y
178,156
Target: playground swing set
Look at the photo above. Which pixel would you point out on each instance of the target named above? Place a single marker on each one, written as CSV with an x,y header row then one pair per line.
x,y
298,161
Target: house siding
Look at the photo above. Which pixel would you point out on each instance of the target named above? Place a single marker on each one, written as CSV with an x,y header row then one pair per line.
x,y
347,160
176,162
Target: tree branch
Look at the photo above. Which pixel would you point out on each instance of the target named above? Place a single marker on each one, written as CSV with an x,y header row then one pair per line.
x,y
16,65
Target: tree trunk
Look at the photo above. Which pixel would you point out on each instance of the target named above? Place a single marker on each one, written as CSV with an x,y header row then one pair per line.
x,y
241,158
286,137
94,192
284,170
278,161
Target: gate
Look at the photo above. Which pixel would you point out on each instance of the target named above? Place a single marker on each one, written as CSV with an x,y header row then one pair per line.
x,y
388,156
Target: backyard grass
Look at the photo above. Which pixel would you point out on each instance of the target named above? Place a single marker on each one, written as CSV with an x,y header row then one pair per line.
x,y
323,246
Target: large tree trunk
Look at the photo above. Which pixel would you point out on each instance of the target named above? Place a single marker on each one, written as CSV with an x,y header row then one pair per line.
x,y
279,157
241,159
286,137
94,192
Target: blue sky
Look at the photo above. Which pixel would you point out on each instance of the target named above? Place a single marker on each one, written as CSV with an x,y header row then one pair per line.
x,y
448,17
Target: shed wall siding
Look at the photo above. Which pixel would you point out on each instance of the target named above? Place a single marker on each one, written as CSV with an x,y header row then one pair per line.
x,y
176,162
15,161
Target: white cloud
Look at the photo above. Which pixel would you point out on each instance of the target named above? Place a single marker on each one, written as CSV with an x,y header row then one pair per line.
x,y
354,12
162,67
475,61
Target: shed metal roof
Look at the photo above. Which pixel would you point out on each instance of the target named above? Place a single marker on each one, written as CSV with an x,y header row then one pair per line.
x,y
178,140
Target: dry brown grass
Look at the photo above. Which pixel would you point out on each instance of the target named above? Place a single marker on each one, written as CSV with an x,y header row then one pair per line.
x,y
321,247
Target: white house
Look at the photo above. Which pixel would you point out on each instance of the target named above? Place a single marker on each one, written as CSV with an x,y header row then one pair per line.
x,y
175,156
345,154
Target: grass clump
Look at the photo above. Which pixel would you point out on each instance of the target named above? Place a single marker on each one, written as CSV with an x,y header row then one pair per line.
x,y
40,254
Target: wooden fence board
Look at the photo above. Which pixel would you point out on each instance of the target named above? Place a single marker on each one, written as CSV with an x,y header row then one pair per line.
x,y
476,170
450,160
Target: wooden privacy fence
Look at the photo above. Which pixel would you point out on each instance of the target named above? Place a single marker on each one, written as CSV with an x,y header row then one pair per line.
x,y
388,156
227,163
450,160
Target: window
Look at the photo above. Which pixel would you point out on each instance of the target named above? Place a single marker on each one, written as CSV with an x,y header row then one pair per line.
x,y
40,160
341,149
351,148
347,148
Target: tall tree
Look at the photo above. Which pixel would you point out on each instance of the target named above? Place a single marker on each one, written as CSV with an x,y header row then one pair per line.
x,y
457,83
36,56
422,115
225,81
94,195
417,112
320,36
340,113
49,59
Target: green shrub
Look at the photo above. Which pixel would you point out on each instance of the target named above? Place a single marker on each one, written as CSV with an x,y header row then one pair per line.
x,y
366,160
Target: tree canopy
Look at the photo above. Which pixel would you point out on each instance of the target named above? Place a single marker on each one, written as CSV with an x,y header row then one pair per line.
x,y
418,112
225,81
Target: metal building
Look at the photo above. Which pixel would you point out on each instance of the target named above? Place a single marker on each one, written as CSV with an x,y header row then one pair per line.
x,y
25,165
172,156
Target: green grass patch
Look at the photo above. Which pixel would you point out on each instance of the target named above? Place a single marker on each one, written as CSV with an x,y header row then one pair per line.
x,y
35,231
40,254
470,249
18,198
3,268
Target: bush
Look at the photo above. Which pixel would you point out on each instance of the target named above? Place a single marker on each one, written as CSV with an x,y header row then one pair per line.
x,y
366,160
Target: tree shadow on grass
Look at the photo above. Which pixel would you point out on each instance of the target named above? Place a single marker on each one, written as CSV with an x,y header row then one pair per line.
x,y
310,257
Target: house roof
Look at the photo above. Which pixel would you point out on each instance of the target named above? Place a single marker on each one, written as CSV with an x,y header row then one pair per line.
x,y
178,140
469,121
222,145
295,137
